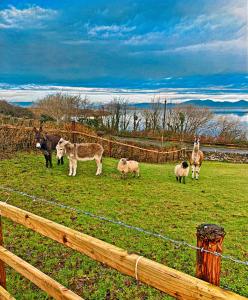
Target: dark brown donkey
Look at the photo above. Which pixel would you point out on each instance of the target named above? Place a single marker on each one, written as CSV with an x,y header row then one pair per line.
x,y
47,143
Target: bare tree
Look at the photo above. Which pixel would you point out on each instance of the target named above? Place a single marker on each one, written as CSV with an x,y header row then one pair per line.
x,y
114,108
120,116
62,107
229,129
125,115
146,117
188,119
155,115
136,120
152,116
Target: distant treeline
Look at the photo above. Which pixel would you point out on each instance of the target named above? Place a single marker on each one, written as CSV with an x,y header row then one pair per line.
x,y
119,117
15,111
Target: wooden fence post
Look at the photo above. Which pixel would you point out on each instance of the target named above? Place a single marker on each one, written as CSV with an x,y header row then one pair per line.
x,y
73,128
131,153
2,266
209,237
110,148
146,156
158,157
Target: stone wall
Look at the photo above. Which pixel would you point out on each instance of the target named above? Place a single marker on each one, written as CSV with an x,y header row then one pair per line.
x,y
227,157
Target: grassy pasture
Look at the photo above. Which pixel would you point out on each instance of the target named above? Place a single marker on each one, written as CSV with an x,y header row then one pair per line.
x,y
155,202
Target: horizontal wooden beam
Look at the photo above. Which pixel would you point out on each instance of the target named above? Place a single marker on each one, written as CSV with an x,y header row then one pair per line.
x,y
168,280
46,283
4,295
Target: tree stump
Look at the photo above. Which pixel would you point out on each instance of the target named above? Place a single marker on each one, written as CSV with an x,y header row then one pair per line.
x,y
209,237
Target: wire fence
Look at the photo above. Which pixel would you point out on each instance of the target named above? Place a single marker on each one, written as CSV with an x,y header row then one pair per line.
x,y
123,224
16,138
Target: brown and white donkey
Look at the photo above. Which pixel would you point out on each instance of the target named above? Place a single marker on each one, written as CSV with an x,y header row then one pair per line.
x,y
196,159
83,152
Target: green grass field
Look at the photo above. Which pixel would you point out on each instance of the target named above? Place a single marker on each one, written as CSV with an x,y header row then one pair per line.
x,y
155,202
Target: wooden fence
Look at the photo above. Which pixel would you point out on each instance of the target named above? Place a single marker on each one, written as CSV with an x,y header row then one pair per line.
x,y
170,281
22,138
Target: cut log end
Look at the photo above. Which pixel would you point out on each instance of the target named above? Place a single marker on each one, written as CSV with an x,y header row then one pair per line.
x,y
210,232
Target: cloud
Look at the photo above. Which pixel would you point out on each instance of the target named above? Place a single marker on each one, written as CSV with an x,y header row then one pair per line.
x,y
31,17
217,23
35,92
217,45
234,45
108,31
133,42
76,42
152,37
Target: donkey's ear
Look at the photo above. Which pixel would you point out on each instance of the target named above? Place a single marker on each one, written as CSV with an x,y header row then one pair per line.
x,y
40,128
35,129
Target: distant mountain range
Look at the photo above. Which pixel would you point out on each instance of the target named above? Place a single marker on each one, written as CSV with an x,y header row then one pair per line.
x,y
242,104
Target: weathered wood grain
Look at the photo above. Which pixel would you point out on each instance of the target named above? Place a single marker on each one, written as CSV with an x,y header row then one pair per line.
x,y
170,281
4,295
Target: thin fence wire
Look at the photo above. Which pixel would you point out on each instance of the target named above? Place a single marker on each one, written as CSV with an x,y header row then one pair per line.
x,y
22,138
123,224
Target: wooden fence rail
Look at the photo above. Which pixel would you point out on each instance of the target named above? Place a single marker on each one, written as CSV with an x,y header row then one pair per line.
x,y
43,281
168,280
4,295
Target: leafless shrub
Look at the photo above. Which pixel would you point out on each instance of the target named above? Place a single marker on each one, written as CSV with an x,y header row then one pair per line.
x,y
62,107
229,129
119,115
188,119
152,116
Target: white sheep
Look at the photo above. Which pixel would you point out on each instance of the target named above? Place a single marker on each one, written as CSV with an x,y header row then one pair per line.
x,y
128,166
182,171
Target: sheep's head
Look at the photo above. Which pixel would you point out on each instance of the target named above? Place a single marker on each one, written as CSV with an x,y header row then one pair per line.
x,y
185,164
124,161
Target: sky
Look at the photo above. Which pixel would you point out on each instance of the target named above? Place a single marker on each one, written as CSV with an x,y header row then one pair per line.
x,y
162,43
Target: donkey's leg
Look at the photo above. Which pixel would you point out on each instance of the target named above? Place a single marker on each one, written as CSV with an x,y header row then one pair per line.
x,y
62,160
74,164
50,159
46,158
193,171
99,165
197,171
70,167
58,161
